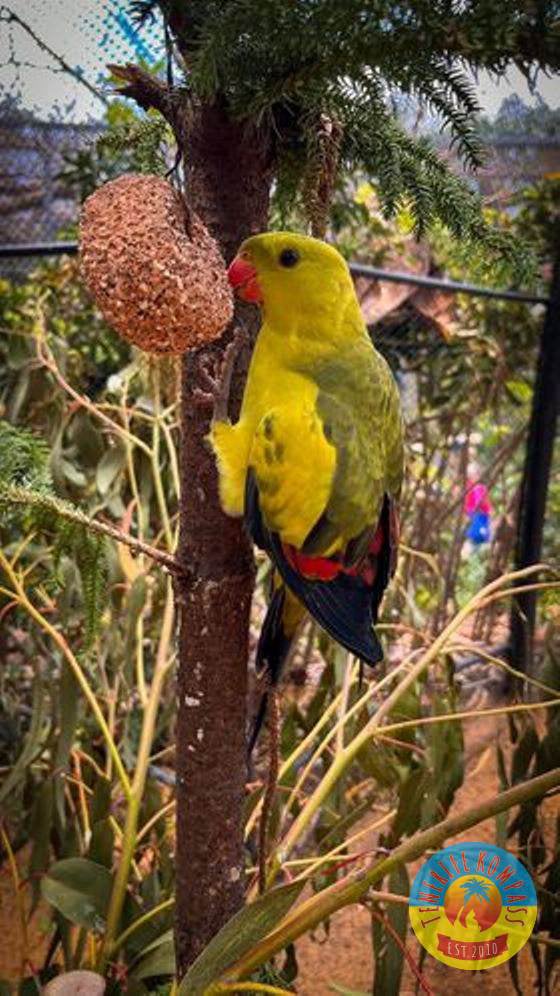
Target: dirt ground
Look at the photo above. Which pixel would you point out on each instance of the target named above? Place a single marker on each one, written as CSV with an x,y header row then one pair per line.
x,y
345,958
11,947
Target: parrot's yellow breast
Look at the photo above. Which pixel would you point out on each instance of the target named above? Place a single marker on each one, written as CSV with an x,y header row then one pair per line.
x,y
280,436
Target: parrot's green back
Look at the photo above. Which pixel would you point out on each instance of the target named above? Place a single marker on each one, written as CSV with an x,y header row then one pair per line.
x,y
359,404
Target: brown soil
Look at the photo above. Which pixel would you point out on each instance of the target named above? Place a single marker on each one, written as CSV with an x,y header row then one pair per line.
x,y
11,937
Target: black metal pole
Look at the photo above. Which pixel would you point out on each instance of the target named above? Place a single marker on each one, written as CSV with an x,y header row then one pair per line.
x,y
358,269
439,283
536,474
17,250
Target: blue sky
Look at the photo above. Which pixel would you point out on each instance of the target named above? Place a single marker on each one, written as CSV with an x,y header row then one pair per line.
x,y
90,33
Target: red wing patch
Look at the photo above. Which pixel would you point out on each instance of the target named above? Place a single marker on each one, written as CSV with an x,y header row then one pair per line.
x,y
328,568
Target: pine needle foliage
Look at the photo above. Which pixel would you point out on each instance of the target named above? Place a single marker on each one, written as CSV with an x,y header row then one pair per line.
x,y
287,65
27,491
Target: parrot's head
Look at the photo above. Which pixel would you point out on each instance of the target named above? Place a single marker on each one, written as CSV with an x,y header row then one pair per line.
x,y
292,275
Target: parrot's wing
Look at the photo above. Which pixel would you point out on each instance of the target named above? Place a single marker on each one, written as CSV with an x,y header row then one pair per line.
x,y
343,605
294,464
359,406
321,497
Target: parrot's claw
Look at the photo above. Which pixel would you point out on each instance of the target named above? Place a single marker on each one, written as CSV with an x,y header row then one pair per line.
x,y
215,377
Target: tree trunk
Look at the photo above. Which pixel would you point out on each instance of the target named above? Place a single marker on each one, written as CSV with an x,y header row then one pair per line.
x,y
536,474
228,182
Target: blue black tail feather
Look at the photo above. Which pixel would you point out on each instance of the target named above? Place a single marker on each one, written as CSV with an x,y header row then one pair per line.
x,y
341,606
345,607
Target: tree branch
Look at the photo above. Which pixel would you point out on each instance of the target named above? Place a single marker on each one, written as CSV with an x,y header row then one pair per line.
x,y
15,19
20,496
150,92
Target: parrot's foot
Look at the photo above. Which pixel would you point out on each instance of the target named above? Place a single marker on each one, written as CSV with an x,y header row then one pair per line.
x,y
215,375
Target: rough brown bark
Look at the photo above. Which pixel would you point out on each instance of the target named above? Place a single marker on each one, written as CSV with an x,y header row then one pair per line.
x,y
536,474
228,185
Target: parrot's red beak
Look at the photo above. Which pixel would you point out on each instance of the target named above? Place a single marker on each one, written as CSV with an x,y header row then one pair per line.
x,y
243,278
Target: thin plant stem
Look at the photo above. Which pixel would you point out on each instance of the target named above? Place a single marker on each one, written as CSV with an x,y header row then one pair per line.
x,y
140,669
388,926
80,947
130,464
168,808
498,662
469,714
373,690
349,675
156,472
381,821
346,757
271,783
20,496
20,548
86,688
112,700
145,918
47,360
295,755
511,592
541,939
250,987
91,761
79,782
173,458
129,840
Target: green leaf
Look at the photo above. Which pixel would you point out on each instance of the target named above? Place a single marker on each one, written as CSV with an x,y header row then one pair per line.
x,y
238,936
108,468
88,439
101,800
102,843
388,954
135,605
523,755
40,834
412,797
379,763
158,958
519,390
68,704
37,734
73,474
79,889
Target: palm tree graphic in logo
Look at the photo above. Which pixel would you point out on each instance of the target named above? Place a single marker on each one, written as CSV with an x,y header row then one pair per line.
x,y
473,899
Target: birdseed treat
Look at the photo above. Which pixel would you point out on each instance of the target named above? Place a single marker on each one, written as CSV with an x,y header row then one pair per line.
x,y
154,270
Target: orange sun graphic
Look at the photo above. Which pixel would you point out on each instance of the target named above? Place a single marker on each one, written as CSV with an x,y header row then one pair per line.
x,y
473,894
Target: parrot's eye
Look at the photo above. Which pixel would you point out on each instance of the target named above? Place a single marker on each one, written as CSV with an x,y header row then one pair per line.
x,y
288,257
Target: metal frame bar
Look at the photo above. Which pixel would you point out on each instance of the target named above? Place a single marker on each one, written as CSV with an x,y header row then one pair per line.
x,y
18,251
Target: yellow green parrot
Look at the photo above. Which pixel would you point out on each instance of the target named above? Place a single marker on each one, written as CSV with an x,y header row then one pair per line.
x,y
315,462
